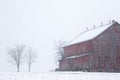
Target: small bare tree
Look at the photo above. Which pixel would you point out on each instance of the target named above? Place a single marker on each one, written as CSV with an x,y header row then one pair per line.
x,y
16,55
59,49
31,56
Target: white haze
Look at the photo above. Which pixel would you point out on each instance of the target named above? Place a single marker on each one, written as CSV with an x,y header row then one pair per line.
x,y
37,23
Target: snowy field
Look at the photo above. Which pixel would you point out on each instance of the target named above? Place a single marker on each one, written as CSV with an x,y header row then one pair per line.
x,y
60,76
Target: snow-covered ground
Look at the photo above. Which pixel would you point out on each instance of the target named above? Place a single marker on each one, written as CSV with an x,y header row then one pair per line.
x,y
60,76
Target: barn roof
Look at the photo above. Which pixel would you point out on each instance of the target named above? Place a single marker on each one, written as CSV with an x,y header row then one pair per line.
x,y
90,33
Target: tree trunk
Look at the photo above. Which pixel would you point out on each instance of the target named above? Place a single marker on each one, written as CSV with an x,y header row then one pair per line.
x,y
29,67
17,68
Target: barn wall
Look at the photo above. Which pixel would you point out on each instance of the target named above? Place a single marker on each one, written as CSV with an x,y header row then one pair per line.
x,y
81,63
106,50
77,49
75,64
64,65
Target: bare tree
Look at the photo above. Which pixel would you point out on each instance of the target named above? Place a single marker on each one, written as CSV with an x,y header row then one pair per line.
x,y
59,49
16,55
30,57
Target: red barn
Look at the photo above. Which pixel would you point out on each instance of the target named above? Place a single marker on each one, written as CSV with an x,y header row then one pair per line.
x,y
97,49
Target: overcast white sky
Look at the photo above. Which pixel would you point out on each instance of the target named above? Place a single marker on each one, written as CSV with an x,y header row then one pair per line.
x,y
37,23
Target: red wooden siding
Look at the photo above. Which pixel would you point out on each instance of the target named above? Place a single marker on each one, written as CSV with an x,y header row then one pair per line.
x,y
103,52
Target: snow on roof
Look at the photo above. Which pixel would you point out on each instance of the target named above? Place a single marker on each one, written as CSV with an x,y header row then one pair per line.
x,y
90,33
76,56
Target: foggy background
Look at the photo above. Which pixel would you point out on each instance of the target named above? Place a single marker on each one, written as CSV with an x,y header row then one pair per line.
x,y
37,23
